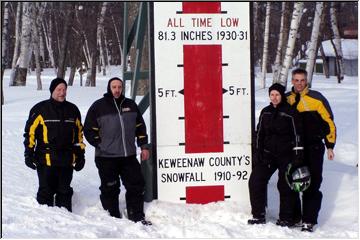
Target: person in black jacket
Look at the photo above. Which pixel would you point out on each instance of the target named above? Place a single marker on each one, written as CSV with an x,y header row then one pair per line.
x,y
111,126
54,145
277,145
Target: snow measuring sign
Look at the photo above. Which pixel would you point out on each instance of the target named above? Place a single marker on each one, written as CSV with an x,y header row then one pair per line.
x,y
203,100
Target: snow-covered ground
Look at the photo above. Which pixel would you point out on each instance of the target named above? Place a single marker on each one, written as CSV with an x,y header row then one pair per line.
x,y
23,217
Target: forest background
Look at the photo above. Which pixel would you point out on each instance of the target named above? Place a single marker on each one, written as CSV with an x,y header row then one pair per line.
x,y
87,37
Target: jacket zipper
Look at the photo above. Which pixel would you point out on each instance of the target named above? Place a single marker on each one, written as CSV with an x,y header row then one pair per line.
x,y
122,126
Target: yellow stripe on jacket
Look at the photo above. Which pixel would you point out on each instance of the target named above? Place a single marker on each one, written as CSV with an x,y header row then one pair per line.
x,y
314,101
38,120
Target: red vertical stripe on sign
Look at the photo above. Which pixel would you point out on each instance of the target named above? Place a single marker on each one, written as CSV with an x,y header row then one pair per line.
x,y
203,99
201,7
204,194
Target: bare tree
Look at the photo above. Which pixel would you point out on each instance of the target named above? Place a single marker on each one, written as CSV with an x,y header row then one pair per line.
x,y
25,48
117,38
91,42
295,22
325,65
266,44
17,43
100,35
68,19
4,44
279,51
313,49
337,42
256,7
47,27
37,13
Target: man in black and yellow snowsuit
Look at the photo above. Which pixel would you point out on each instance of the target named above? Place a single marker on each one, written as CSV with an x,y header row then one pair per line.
x,y
54,145
318,125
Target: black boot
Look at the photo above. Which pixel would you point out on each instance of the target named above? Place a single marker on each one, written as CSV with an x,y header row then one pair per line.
x,y
63,199
255,220
146,222
284,223
307,227
111,204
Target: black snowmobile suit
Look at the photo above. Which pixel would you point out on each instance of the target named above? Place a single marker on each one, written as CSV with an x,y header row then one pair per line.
x,y
54,139
278,138
111,126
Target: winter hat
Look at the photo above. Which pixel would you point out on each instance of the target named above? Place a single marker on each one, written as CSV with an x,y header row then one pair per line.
x,y
278,87
56,82
112,79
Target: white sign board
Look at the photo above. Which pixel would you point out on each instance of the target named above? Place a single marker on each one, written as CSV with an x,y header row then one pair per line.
x,y
203,101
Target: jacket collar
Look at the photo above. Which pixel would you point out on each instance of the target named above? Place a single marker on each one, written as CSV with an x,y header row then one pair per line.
x,y
109,96
302,93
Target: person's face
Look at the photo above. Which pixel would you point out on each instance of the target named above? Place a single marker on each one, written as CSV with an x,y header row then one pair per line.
x,y
299,82
116,88
275,97
59,93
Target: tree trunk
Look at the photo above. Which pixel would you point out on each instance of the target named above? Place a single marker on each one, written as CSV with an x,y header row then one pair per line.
x,y
118,39
47,29
294,26
106,48
4,45
256,32
91,75
72,75
337,63
64,40
325,62
278,57
266,44
17,43
36,44
86,52
337,41
5,38
313,49
99,33
37,14
25,49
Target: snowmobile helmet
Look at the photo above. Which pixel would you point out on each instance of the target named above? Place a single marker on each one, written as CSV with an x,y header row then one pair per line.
x,y
298,179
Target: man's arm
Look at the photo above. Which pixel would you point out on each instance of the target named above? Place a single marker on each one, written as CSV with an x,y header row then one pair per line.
x,y
142,137
30,139
91,128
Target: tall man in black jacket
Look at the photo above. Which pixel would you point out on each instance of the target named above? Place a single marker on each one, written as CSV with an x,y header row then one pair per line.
x,y
111,126
54,145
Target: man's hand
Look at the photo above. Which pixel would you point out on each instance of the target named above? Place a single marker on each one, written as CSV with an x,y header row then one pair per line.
x,y
30,162
330,154
145,154
79,164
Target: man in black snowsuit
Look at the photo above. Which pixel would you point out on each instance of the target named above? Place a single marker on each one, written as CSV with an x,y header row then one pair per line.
x,y
277,145
54,145
111,126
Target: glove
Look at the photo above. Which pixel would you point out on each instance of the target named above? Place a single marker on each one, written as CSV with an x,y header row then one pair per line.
x,y
298,157
31,162
79,163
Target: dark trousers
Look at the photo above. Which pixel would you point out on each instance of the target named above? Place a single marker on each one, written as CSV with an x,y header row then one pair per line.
x,y
128,168
55,181
258,183
312,197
